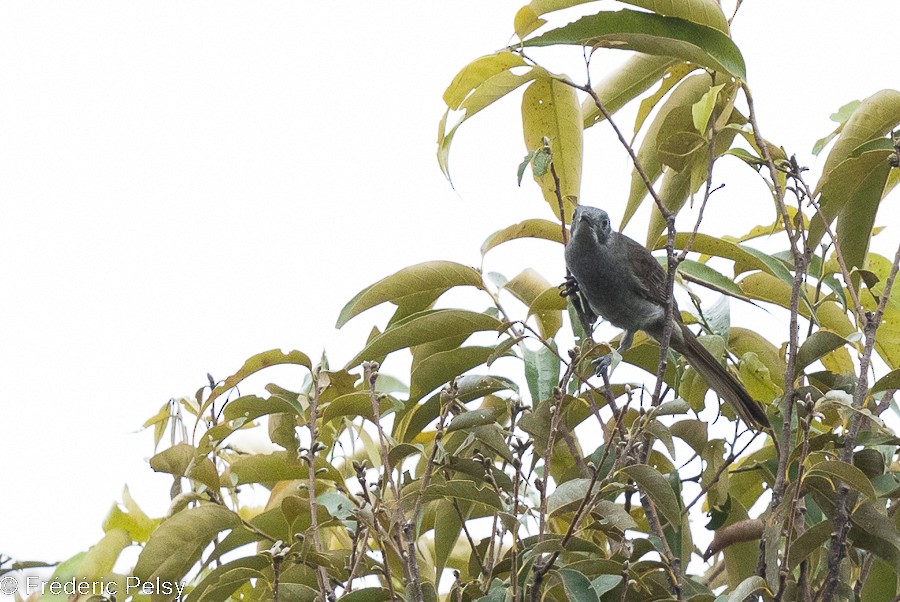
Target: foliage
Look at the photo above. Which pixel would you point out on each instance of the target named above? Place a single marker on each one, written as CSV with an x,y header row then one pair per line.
x,y
463,482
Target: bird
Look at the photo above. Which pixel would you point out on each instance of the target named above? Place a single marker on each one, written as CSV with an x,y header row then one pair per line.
x,y
623,283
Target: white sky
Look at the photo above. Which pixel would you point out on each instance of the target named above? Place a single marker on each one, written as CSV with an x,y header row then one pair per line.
x,y
186,184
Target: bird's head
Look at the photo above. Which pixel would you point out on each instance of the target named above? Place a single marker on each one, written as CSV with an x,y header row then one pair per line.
x,y
591,221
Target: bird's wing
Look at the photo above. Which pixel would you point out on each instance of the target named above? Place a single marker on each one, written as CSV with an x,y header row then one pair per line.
x,y
651,284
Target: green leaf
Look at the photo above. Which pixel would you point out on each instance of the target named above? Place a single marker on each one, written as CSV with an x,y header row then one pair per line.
x,y
673,75
809,541
470,387
413,288
702,274
447,527
253,365
251,407
527,287
368,594
278,466
424,327
178,542
749,587
358,403
685,94
530,228
550,109
653,484
818,344
702,110
441,368
634,77
568,496
478,85
837,471
651,34
133,520
577,586
692,432
225,579
473,418
460,490
99,560
889,381
880,584
542,369
757,379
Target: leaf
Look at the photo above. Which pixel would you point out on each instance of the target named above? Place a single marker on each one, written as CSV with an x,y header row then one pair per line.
x,y
178,542
854,174
673,75
477,86
702,110
567,496
414,288
651,34
253,365
541,372
749,587
653,484
757,379
692,432
686,93
743,340
356,404
447,527
278,466
888,382
251,407
837,471
702,274
527,287
704,12
530,228
809,541
818,344
134,520
470,387
577,586
477,73
473,418
550,109
423,327
460,490
225,579
368,594
634,77
441,368
100,558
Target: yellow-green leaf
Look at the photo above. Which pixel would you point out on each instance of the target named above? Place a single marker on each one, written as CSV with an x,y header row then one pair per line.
x,y
530,228
550,109
414,287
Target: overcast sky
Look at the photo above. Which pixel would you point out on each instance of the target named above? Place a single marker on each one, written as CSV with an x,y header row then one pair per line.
x,y
186,184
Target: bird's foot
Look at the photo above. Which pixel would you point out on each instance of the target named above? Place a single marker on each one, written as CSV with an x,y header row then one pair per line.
x,y
569,287
602,363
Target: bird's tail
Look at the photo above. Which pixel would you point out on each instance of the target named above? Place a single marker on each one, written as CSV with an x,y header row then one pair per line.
x,y
720,379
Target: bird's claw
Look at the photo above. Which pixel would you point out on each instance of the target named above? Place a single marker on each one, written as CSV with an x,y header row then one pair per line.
x,y
602,363
569,287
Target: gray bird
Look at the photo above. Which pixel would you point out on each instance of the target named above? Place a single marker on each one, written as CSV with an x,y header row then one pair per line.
x,y
622,282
